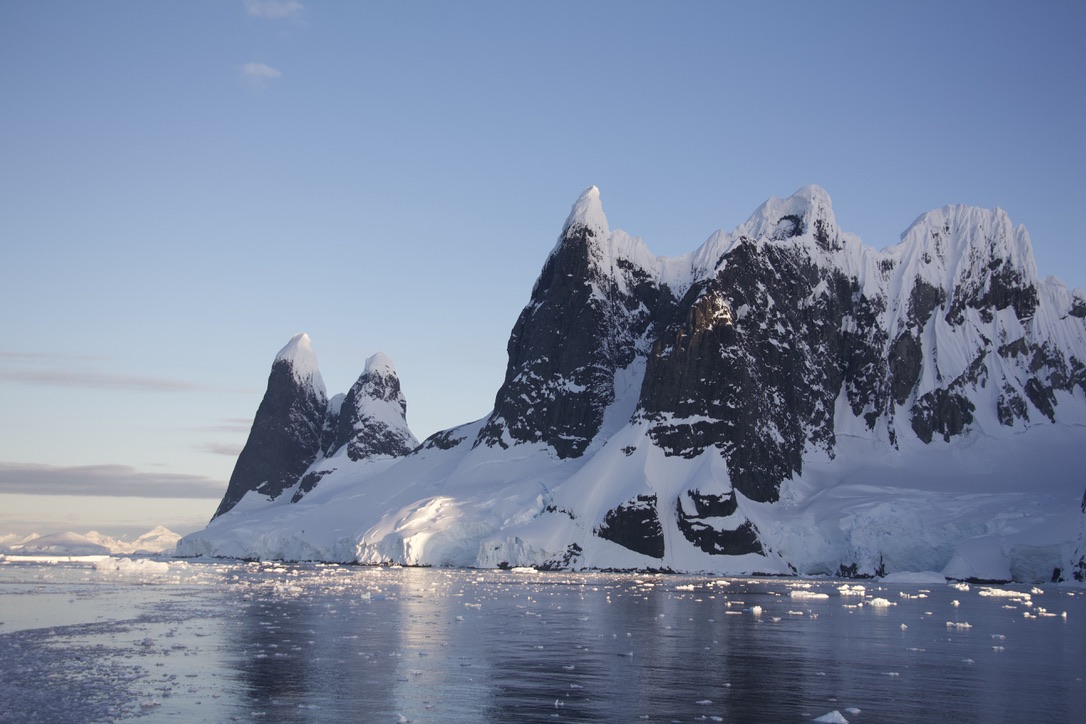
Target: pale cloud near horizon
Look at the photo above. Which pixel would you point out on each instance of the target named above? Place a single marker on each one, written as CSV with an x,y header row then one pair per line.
x,y
257,75
216,448
62,370
273,9
97,380
108,480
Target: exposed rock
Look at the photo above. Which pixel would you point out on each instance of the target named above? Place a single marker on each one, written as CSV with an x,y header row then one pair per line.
x,y
286,434
589,312
703,527
373,419
635,525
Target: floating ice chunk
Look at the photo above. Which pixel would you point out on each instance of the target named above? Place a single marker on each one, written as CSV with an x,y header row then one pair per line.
x,y
959,626
833,717
129,566
800,593
1003,593
852,710
880,603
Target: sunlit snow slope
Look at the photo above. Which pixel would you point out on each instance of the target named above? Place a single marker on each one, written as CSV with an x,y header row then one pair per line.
x,y
784,399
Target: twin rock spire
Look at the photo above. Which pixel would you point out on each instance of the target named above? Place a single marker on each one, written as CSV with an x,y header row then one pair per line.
x,y
297,425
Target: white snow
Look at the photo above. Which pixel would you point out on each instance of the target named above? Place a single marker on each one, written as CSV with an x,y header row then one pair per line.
x,y
997,503
61,544
588,211
303,360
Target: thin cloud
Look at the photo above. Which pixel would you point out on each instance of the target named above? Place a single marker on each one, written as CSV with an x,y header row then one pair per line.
x,y
64,370
215,448
273,9
96,380
230,424
104,480
258,75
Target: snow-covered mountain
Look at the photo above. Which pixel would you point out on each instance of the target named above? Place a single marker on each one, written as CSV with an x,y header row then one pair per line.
x,y
784,399
157,540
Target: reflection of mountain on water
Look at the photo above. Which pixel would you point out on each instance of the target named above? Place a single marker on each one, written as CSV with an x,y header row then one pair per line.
x,y
317,654
371,644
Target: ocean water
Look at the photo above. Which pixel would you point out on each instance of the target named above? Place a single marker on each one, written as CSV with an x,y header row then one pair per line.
x,y
117,639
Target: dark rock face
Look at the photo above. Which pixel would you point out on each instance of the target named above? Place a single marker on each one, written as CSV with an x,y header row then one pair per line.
x,y
635,525
307,483
564,562
284,441
999,286
297,426
756,364
359,426
699,528
578,329
1078,561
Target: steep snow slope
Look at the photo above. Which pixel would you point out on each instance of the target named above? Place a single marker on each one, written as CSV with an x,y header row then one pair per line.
x,y
783,399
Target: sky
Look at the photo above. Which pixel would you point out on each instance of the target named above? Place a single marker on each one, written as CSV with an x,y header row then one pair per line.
x,y
186,185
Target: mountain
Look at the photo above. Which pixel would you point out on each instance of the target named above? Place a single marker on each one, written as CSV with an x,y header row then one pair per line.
x,y
61,544
157,540
784,399
297,427
287,429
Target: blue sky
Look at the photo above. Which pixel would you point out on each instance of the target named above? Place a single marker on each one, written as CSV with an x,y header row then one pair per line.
x,y
185,185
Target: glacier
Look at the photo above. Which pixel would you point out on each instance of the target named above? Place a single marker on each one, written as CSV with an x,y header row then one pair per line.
x,y
783,400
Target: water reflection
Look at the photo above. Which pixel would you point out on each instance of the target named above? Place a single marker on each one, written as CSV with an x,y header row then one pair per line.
x,y
325,643
441,645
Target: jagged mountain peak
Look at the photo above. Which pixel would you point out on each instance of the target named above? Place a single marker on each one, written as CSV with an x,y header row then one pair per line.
x,y
809,211
959,240
299,354
966,256
380,363
372,418
587,211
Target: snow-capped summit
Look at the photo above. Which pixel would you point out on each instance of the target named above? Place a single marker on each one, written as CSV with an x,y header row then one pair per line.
x,y
299,354
587,211
380,363
373,418
975,257
287,428
808,211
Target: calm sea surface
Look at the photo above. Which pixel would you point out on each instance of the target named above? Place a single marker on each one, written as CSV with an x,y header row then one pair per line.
x,y
211,641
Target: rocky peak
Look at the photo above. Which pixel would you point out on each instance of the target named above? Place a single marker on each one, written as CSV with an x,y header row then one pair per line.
x,y
372,420
286,434
806,213
972,259
299,356
588,316
587,213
